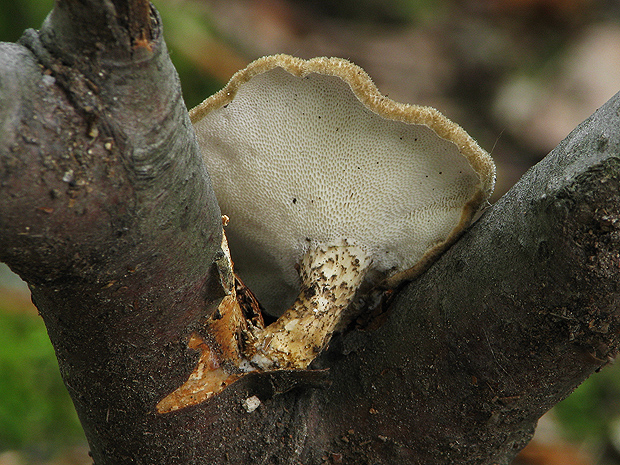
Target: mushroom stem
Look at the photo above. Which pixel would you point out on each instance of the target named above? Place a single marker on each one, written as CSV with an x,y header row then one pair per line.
x,y
330,276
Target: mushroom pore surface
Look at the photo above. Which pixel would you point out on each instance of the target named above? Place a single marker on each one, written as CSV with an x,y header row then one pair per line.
x,y
304,153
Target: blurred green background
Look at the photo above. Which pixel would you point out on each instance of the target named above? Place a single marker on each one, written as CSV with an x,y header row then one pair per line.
x,y
517,74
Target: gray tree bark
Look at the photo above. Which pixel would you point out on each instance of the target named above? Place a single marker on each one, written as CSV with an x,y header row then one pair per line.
x,y
107,212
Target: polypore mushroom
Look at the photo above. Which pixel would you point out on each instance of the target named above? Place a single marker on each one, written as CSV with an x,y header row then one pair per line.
x,y
325,180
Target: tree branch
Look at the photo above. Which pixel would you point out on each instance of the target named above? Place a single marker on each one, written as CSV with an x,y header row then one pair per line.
x,y
505,325
107,212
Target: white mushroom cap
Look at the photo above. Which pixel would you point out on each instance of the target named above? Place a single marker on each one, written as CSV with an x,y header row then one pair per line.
x,y
303,153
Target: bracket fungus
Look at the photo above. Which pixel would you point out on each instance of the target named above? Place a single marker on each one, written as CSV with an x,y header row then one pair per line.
x,y
329,184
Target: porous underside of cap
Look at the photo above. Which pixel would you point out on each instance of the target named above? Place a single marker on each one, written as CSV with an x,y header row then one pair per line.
x,y
303,153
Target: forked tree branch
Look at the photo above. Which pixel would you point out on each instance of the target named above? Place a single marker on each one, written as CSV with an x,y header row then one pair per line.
x,y
107,212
